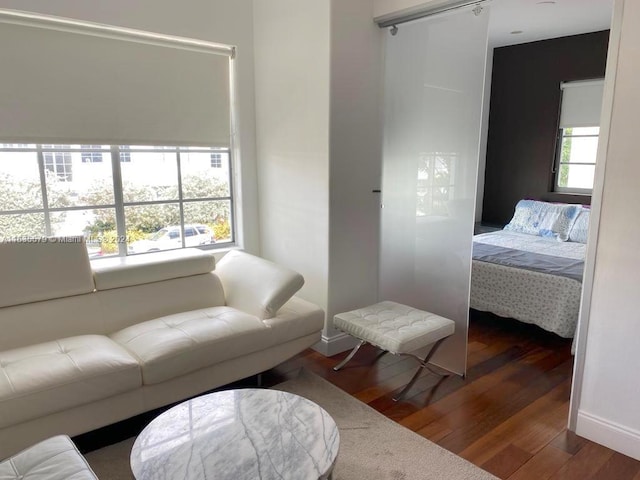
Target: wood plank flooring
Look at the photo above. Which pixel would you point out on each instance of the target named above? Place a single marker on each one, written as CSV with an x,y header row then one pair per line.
x,y
508,416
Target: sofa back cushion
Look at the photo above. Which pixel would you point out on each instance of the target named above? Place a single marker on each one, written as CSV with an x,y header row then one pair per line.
x,y
126,306
120,272
255,285
42,270
39,322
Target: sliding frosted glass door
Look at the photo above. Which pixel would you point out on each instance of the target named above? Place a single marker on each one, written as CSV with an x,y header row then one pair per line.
x,y
434,75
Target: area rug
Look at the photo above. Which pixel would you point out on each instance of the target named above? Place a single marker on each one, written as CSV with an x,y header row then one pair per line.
x,y
372,447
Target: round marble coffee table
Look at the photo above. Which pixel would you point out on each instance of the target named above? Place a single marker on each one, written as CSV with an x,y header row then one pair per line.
x,y
238,434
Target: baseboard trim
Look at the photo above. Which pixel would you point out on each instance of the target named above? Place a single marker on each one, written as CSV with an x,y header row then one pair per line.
x,y
609,434
329,346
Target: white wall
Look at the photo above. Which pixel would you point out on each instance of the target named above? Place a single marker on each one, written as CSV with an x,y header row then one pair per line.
x,y
228,22
292,117
318,100
609,398
355,159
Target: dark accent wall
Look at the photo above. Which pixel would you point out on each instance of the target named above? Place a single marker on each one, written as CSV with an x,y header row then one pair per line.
x,y
523,119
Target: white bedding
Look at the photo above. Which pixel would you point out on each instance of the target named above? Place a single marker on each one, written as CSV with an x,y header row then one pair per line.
x,y
549,301
533,243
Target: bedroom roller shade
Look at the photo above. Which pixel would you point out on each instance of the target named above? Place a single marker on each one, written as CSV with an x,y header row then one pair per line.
x,y
83,87
581,103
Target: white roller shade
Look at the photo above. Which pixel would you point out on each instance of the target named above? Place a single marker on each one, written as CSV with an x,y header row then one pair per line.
x,y
84,84
581,103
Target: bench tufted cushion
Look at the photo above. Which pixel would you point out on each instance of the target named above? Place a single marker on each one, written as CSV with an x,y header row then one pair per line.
x,y
53,459
394,327
53,376
178,344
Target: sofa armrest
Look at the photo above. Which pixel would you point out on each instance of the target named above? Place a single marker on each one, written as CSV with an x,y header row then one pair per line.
x,y
255,285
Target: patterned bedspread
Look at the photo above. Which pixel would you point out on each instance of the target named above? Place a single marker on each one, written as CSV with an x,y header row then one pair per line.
x,y
550,301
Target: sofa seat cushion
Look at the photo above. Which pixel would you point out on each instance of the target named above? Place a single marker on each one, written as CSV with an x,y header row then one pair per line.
x,y
50,377
56,458
175,345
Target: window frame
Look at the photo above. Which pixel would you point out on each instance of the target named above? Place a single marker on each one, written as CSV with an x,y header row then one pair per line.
x,y
558,163
58,161
91,154
113,155
215,160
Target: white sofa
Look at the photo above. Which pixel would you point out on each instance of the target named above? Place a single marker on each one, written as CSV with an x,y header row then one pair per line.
x,y
83,346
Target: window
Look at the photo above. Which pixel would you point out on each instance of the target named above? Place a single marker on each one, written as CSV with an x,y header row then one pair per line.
x,y
577,144
577,159
58,162
216,160
125,154
184,203
124,197
89,156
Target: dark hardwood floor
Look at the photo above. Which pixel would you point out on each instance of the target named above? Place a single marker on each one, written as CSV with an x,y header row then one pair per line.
x,y
508,416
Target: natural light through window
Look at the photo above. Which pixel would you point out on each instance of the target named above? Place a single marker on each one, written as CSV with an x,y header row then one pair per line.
x,y
122,199
577,159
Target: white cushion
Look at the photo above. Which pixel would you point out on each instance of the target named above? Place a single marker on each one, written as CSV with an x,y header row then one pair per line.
x,y
40,271
255,285
153,267
296,319
53,376
580,229
177,344
123,307
39,322
394,327
56,458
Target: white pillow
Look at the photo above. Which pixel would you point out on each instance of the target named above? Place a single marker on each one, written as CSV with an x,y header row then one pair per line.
x,y
580,227
552,220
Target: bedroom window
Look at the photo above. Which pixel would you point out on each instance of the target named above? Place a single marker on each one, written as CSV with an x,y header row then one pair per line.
x,y
118,207
579,130
577,162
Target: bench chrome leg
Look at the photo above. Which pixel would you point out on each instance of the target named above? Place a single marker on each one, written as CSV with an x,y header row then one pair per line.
x,y
350,356
423,364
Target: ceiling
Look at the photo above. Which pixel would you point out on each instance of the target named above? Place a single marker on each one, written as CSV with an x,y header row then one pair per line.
x,y
542,19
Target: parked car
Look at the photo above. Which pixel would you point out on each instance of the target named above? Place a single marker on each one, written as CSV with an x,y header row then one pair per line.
x,y
170,237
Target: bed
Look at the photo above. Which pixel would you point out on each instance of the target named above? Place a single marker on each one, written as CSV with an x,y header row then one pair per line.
x,y
532,269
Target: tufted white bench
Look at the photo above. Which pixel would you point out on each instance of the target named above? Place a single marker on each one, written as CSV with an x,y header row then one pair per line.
x,y
56,458
397,329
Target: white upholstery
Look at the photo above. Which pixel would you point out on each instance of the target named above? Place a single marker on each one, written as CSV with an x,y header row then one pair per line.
x,y
123,307
40,322
120,272
394,327
43,270
61,373
177,344
297,318
53,376
255,285
56,458
103,412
